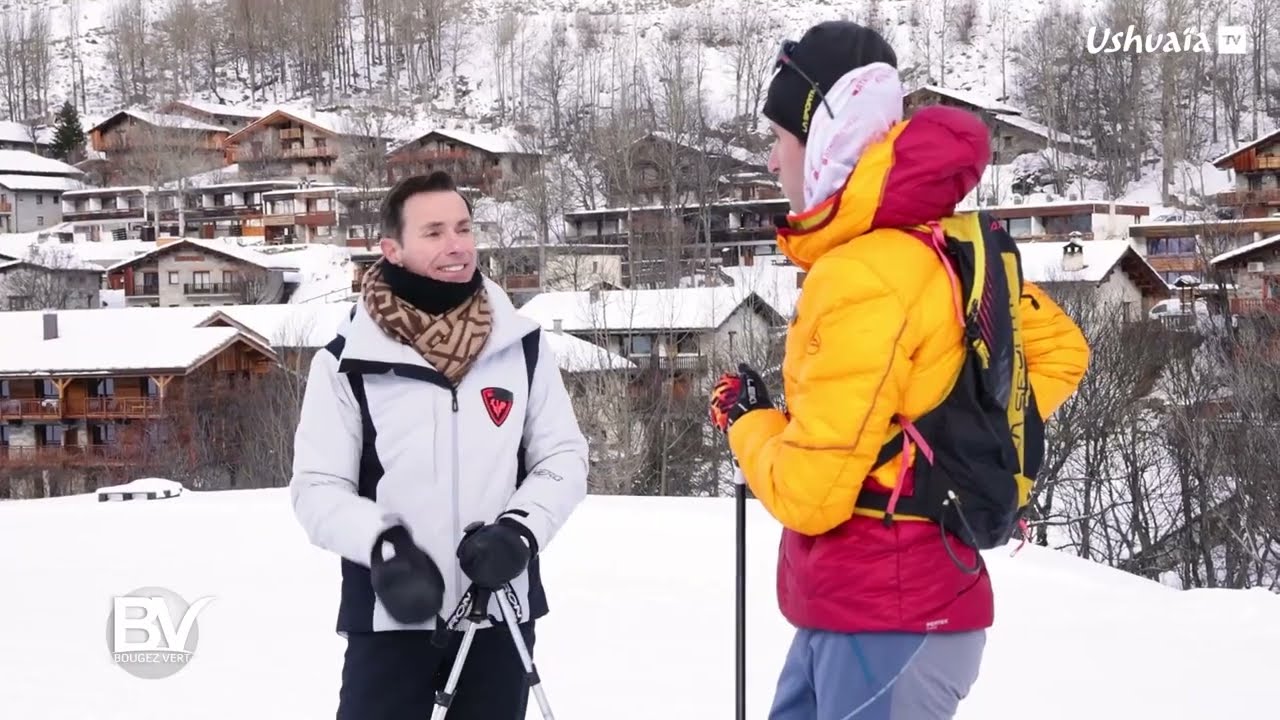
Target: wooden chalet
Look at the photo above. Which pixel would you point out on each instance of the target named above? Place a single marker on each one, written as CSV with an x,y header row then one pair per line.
x,y
1012,133
93,398
142,146
291,144
492,164
1254,270
232,117
1184,247
1257,170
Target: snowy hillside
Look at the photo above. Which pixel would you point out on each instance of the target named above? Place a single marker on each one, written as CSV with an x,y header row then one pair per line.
x,y
542,66
641,626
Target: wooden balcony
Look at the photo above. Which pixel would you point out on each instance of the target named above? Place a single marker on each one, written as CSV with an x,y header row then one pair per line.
x,y
16,456
115,407
1249,197
143,290
290,133
30,409
425,155
1255,306
106,408
212,288
326,218
278,220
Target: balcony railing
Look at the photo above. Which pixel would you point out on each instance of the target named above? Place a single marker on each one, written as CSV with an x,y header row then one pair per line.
x,y
688,361
1249,197
144,290
212,288
115,407
30,409
1255,306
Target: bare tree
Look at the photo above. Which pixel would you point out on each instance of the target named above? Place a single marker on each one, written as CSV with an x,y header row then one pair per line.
x,y
49,278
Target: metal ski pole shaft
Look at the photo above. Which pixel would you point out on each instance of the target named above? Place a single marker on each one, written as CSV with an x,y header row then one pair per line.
x,y
740,611
475,616
531,671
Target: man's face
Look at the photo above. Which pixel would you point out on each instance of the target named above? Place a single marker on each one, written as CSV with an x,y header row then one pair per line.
x,y
786,160
436,239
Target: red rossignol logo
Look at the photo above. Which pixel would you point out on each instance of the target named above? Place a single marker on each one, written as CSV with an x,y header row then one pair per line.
x,y
498,402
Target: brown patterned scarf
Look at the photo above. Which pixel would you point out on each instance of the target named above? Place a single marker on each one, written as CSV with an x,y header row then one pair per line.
x,y
450,342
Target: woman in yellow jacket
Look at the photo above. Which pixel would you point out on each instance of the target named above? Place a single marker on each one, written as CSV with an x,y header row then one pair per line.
x,y
891,616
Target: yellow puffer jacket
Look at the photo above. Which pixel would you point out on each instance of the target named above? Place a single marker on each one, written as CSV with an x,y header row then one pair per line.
x,y
875,332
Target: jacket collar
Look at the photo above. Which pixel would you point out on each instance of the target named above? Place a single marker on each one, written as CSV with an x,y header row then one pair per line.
x,y
366,341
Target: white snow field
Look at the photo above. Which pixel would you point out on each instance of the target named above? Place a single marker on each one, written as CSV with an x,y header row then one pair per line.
x,y
641,624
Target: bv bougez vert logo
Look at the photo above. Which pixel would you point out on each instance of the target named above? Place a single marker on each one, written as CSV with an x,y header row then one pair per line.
x,y
1231,40
152,632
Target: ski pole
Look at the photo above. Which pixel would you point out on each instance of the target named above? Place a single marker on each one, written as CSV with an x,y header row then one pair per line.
x,y
740,612
530,670
475,615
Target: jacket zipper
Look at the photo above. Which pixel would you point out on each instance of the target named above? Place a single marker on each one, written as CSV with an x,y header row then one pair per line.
x,y
457,505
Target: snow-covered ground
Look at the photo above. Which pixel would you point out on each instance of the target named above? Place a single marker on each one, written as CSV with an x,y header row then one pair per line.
x,y
641,625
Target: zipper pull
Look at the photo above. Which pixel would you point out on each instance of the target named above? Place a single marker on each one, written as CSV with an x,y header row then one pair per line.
x,y
454,391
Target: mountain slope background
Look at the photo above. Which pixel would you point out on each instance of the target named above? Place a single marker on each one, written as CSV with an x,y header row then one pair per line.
x,y
577,75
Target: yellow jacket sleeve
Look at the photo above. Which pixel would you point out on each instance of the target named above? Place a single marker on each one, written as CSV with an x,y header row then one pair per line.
x,y
1057,352
842,394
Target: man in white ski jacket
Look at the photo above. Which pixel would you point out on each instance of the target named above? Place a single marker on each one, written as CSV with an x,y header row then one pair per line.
x,y
436,408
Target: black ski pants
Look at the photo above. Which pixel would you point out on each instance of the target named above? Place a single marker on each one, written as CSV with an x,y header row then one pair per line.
x,y
394,675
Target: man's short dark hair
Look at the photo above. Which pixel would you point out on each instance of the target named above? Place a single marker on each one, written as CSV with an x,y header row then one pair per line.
x,y
393,204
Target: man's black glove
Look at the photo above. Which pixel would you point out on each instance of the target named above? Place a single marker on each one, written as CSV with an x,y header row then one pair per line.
x,y
409,583
737,395
495,554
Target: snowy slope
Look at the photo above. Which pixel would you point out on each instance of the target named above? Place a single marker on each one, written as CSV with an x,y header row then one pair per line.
x,y
641,626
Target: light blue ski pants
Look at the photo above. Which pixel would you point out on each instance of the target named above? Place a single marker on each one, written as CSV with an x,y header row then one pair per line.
x,y
877,676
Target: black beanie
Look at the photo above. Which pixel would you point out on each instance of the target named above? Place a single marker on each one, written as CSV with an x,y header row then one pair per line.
x,y
826,53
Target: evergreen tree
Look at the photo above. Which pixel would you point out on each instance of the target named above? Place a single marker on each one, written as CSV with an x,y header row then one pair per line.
x,y
68,138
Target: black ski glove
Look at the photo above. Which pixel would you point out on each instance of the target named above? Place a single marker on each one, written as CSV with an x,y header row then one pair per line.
x,y
495,554
409,584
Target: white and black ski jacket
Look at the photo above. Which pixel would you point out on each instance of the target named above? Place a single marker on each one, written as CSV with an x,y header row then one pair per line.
x,y
384,438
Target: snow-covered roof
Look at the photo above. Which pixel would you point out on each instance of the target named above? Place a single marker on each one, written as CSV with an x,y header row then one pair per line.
x,y
239,111
969,97
24,162
1262,140
155,119
712,145
37,183
330,122
1040,129
488,142
699,308
1042,261
775,282
15,132
225,247
575,355
1245,250
95,352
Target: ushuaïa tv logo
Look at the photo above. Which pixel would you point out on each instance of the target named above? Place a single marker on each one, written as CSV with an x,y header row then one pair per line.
x,y
1231,40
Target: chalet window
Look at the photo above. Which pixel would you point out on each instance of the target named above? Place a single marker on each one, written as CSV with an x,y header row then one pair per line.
x,y
152,388
48,390
105,387
1272,287
687,344
320,143
39,199
4,435
201,279
228,277
4,390
40,220
637,344
104,433
50,434
19,302
1018,227
174,277
1062,225
1171,246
